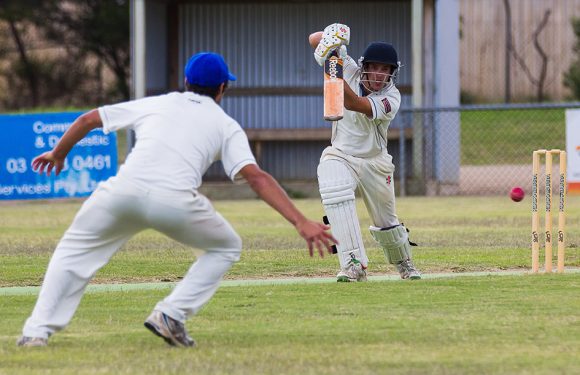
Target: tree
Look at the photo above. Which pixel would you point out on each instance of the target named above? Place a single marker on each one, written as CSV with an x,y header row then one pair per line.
x,y
93,27
53,51
540,81
15,14
572,76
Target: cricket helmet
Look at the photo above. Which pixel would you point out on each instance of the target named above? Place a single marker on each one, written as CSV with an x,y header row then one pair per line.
x,y
382,53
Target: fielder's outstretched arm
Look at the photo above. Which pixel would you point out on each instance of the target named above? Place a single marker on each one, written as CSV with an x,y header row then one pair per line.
x,y
315,234
54,159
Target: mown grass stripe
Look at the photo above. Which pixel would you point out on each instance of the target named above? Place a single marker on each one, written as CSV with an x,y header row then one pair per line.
x,y
96,288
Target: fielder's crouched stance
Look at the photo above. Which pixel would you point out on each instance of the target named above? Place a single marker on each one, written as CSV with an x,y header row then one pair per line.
x,y
179,135
358,158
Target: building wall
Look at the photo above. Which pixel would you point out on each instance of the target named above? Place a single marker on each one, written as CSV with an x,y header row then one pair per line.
x,y
483,47
266,46
157,57
279,84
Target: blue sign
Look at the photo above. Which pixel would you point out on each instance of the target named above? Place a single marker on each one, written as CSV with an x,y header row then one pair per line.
x,y
24,137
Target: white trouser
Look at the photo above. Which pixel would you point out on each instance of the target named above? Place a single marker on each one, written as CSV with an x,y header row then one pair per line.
x,y
115,212
337,185
374,182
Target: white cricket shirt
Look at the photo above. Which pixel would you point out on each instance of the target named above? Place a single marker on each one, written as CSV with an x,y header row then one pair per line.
x,y
179,135
357,134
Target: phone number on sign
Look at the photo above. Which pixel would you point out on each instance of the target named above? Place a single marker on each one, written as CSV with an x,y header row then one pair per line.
x,y
92,162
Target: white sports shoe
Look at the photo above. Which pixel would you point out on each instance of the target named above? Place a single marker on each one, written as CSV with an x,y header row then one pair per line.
x,y
408,270
169,329
353,272
31,341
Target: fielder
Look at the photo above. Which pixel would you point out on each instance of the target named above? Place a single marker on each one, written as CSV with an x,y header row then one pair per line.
x,y
358,157
179,135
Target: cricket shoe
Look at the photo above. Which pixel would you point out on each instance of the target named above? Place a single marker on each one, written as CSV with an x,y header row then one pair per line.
x,y
354,271
408,270
31,341
169,329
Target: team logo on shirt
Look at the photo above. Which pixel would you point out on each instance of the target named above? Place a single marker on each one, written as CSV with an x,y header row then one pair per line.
x,y
387,105
389,179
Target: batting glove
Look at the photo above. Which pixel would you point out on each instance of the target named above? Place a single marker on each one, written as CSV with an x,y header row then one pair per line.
x,y
325,49
338,30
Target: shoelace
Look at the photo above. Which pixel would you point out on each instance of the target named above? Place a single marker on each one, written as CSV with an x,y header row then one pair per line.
x,y
351,270
410,266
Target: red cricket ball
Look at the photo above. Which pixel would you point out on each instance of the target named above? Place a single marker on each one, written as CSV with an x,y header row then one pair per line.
x,y
517,194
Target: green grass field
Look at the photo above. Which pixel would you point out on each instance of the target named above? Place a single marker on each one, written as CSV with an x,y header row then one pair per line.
x,y
523,324
490,137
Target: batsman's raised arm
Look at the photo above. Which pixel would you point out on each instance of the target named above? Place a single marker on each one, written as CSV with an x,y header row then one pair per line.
x,y
54,159
315,38
335,37
324,42
356,103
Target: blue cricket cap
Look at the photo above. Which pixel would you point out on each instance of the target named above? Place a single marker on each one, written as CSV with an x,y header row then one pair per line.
x,y
207,69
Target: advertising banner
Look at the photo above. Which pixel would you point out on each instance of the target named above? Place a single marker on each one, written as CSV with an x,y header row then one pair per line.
x,y
92,160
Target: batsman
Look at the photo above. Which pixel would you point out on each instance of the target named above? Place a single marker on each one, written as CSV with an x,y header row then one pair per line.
x,y
358,159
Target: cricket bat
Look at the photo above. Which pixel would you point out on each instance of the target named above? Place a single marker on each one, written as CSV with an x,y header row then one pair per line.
x,y
333,88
